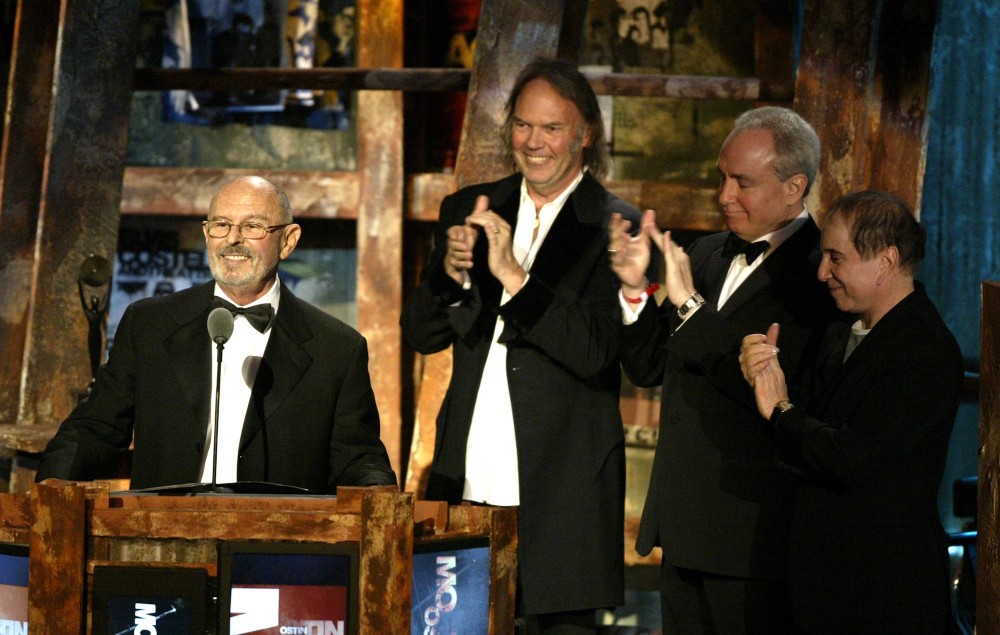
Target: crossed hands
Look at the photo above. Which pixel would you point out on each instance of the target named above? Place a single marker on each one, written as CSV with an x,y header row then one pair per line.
x,y
629,256
759,363
499,238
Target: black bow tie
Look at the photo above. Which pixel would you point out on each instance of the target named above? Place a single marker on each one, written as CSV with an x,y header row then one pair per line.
x,y
736,245
259,315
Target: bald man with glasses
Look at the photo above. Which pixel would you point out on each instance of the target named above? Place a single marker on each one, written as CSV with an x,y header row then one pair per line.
x,y
296,405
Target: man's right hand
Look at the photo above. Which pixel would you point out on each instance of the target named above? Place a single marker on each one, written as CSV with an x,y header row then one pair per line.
x,y
629,255
461,240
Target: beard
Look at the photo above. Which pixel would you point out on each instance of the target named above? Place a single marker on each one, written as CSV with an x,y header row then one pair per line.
x,y
249,272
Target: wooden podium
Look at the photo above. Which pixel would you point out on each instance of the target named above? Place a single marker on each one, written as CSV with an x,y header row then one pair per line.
x,y
72,528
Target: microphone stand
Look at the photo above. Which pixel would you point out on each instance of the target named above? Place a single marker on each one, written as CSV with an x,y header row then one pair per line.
x,y
215,488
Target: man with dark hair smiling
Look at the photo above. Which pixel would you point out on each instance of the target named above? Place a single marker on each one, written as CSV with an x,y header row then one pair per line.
x,y
869,443
296,405
519,284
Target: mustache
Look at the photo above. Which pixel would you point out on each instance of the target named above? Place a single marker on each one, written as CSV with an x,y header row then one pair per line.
x,y
234,250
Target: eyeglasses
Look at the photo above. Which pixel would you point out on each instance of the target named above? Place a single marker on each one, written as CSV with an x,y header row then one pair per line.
x,y
250,230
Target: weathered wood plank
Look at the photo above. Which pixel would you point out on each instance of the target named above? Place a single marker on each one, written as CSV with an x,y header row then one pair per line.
x,y
503,569
15,512
380,216
22,158
988,521
224,79
774,60
451,79
81,196
386,562
56,598
902,89
863,82
226,525
188,191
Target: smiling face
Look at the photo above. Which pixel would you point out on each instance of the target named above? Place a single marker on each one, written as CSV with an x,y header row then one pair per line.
x,y
246,269
548,135
852,280
752,197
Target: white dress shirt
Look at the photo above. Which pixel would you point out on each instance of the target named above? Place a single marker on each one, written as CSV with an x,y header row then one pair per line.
x,y
491,474
241,358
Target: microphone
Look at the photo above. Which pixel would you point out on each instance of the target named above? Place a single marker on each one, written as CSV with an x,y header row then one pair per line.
x,y
220,326
220,329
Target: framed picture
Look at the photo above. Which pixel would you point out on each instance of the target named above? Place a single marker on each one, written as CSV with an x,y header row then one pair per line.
x,y
149,599
273,588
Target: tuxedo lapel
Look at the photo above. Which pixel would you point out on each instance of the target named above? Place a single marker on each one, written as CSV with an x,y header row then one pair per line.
x,y
571,237
283,364
190,353
784,264
715,270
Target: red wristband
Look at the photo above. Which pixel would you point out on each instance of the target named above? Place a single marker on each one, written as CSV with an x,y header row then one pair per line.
x,y
650,290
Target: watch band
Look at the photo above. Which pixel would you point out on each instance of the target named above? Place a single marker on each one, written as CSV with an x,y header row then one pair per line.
x,y
780,408
690,304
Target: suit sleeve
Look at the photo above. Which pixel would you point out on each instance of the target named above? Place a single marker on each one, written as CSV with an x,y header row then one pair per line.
x,y
911,401
357,455
99,430
436,310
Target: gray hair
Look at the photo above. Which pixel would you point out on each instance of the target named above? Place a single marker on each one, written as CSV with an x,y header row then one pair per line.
x,y
796,144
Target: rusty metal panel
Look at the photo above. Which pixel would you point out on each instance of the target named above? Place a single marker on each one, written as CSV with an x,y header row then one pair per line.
x,y
863,83
380,216
832,90
902,81
81,192
21,159
988,567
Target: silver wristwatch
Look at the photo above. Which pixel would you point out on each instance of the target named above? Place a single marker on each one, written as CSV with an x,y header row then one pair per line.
x,y
690,304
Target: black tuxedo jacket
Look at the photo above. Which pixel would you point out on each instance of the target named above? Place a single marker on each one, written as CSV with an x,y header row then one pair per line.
x,y
868,554
717,501
561,331
311,421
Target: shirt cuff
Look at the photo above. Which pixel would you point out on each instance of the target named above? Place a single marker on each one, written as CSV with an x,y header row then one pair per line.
x,y
631,310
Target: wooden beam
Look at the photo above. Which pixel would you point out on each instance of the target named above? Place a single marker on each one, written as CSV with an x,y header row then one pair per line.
x,y
224,79
81,195
22,158
188,191
774,54
450,80
865,91
380,216
56,600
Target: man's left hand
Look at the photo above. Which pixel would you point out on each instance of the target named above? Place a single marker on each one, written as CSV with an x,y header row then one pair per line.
x,y
500,239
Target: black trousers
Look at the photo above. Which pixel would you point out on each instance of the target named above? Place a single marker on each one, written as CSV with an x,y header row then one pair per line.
x,y
698,603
